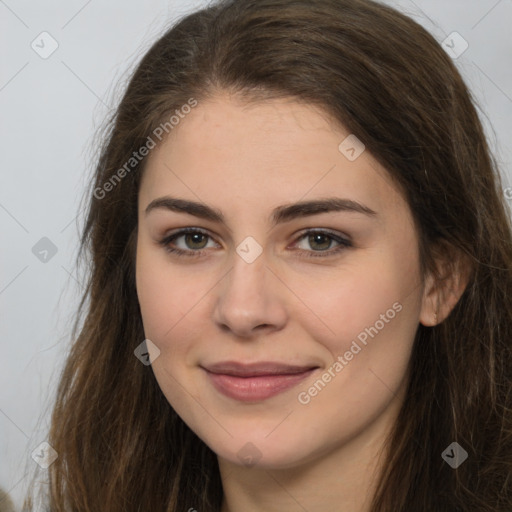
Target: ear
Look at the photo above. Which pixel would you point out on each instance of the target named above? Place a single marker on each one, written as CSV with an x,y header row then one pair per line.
x,y
445,285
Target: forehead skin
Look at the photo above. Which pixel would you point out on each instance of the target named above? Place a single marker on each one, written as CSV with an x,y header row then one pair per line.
x,y
263,155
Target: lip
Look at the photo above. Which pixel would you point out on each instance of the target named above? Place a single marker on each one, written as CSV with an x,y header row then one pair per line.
x,y
258,369
255,382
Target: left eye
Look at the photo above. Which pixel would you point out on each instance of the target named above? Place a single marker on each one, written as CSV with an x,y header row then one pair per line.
x,y
321,238
195,242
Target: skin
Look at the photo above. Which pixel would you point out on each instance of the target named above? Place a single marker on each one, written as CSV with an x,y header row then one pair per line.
x,y
245,160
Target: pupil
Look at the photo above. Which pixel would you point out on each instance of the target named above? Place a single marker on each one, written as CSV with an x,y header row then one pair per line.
x,y
320,237
195,237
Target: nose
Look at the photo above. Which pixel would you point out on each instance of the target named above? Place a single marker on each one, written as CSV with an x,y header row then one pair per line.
x,y
250,299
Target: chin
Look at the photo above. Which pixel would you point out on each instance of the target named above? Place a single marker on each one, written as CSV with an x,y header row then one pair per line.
x,y
261,450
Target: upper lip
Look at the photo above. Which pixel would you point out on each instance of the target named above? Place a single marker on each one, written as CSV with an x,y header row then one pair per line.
x,y
256,369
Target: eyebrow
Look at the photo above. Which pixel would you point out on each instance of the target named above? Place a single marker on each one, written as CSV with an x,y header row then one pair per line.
x,y
279,215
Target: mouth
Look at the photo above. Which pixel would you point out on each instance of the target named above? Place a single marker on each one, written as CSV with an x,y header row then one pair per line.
x,y
256,381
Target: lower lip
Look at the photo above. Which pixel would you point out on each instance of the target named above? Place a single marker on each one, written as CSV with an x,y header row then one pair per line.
x,y
255,389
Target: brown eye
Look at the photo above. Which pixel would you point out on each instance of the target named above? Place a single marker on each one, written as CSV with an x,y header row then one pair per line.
x,y
194,240
191,239
320,242
323,241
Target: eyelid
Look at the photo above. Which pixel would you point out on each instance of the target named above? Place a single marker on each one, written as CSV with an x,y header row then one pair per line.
x,y
168,237
344,241
326,231
299,234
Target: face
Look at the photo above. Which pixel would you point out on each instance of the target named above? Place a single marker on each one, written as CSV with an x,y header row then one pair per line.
x,y
284,331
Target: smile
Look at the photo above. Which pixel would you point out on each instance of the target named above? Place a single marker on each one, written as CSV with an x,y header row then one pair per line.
x,y
255,382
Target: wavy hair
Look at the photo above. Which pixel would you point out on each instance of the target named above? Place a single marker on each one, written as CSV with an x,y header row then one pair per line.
x,y
383,77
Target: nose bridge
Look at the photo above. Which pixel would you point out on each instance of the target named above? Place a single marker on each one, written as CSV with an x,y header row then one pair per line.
x,y
247,278
249,269
249,297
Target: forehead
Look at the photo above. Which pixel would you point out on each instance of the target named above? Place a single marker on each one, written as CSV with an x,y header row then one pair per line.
x,y
262,154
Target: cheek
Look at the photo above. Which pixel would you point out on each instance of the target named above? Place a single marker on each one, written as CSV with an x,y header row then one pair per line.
x,y
161,303
170,300
372,315
164,305
379,296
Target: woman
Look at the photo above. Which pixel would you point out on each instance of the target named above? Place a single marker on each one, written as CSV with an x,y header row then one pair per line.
x,y
257,370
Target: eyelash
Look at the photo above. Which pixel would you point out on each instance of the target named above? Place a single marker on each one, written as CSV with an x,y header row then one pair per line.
x,y
344,243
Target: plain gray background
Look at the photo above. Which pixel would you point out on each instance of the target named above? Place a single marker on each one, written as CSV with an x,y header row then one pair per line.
x,y
50,111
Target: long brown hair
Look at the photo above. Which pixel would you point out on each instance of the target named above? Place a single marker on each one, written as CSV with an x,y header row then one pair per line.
x,y
382,76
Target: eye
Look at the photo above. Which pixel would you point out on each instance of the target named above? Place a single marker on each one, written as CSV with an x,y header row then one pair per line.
x,y
195,243
322,240
194,239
